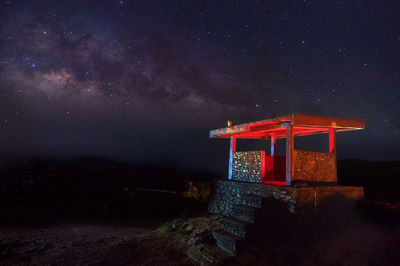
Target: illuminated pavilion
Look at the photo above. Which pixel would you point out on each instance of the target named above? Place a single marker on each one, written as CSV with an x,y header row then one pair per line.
x,y
301,179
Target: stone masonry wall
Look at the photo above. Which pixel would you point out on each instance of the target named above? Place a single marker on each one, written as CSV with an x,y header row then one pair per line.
x,y
250,210
247,166
314,166
227,194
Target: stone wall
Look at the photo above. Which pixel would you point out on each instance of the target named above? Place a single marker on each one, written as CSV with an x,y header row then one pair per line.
x,y
227,194
248,166
250,211
314,166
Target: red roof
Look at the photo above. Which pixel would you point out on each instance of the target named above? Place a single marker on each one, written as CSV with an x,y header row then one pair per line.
x,y
302,125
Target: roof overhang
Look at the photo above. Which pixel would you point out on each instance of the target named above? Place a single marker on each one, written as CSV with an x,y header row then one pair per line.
x,y
276,127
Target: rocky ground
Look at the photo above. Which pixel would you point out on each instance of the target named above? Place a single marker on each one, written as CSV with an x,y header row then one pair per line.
x,y
180,241
71,244
187,241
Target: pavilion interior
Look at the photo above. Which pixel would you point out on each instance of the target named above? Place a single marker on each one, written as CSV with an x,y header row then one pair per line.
x,y
275,165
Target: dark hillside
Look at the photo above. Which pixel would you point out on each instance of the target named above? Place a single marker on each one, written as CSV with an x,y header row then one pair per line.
x,y
381,180
93,187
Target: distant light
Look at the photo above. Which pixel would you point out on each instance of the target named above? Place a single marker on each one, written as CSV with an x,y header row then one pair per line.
x,y
229,123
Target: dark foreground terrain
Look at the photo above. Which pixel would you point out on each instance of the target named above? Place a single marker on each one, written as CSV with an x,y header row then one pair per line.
x,y
186,241
99,212
180,241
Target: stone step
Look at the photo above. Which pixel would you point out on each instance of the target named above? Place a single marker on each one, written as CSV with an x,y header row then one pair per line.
x,y
244,213
250,181
213,255
252,201
261,192
234,226
226,241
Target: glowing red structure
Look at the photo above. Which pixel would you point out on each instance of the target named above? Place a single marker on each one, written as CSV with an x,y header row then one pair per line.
x,y
296,165
302,182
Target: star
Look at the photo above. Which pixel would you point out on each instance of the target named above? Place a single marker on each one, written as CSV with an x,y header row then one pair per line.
x,y
128,62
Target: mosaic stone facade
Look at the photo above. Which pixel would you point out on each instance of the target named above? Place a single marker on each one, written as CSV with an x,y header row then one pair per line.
x,y
314,166
247,166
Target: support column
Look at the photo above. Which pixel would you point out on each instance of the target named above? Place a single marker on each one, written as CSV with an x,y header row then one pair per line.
x,y
273,143
289,154
232,149
332,147
332,141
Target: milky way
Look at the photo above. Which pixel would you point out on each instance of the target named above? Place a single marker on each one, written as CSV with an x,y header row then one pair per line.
x,y
146,79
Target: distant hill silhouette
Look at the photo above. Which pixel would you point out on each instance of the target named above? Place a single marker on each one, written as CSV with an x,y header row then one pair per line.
x,y
93,187
359,172
85,172
101,179
381,180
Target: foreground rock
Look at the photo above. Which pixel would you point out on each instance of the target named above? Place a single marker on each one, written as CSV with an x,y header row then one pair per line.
x,y
180,241
188,241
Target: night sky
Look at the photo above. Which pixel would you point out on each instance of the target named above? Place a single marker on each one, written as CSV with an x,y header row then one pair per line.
x,y
143,81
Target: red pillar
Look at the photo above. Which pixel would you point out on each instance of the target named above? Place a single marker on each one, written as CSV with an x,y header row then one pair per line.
x,y
289,154
332,147
332,141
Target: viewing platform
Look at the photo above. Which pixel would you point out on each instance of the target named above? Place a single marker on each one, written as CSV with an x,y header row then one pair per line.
x,y
299,179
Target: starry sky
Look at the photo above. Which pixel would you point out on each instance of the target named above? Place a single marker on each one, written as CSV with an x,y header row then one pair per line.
x,y
143,81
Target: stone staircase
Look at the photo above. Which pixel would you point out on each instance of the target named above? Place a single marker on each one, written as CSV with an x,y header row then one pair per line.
x,y
245,206
244,210
235,226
